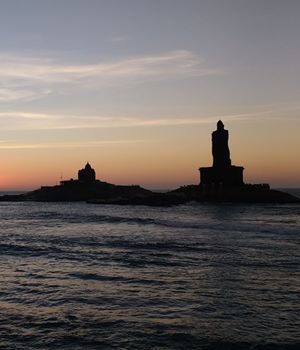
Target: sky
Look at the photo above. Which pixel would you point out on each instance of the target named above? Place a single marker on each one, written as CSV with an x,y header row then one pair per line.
x,y
136,88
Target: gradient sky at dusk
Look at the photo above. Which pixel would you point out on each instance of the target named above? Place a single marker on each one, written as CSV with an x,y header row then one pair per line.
x,y
136,87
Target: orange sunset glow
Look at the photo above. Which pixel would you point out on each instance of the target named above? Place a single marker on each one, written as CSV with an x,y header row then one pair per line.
x,y
165,157
141,106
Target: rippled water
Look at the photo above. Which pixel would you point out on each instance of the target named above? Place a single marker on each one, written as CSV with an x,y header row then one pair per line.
x,y
79,276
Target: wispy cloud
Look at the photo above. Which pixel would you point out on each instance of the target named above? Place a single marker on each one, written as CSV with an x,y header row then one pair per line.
x,y
26,78
175,62
6,145
42,121
16,94
26,115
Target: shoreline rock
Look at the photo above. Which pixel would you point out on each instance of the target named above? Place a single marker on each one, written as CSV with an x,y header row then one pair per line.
x,y
105,193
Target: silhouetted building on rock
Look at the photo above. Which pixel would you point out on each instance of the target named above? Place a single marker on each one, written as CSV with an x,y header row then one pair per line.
x,y
88,188
222,173
87,174
222,182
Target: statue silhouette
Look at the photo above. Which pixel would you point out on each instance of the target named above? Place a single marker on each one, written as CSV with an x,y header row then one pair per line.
x,y
220,149
222,174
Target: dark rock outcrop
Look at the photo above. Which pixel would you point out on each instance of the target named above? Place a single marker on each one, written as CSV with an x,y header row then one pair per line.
x,y
78,191
238,194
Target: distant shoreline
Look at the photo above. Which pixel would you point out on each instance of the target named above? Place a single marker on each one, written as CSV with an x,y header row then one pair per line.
x,y
295,191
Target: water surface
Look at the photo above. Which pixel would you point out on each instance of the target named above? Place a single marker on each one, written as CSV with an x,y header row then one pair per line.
x,y
79,276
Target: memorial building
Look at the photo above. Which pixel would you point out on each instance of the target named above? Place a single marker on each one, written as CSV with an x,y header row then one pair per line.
x,y
87,175
222,173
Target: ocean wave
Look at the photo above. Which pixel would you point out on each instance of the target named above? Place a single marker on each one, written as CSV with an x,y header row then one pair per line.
x,y
75,277
266,225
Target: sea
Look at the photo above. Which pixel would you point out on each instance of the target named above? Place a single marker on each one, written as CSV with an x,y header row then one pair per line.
x,y
195,276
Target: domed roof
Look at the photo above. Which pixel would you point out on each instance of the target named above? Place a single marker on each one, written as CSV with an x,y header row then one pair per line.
x,y
87,174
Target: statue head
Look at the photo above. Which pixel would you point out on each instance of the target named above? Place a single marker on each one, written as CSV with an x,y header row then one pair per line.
x,y
220,125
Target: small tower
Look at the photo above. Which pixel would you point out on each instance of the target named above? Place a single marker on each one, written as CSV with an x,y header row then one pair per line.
x,y
87,174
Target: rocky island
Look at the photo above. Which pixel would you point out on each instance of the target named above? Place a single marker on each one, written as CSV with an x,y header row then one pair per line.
x,y
222,182
85,187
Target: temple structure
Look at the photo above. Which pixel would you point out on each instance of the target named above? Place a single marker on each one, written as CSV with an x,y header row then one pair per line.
x,y
222,173
87,174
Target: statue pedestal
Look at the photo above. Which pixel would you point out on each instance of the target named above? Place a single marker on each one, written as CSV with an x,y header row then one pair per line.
x,y
214,177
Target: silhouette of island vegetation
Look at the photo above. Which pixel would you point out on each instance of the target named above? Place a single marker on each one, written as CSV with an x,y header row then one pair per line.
x,y
222,182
